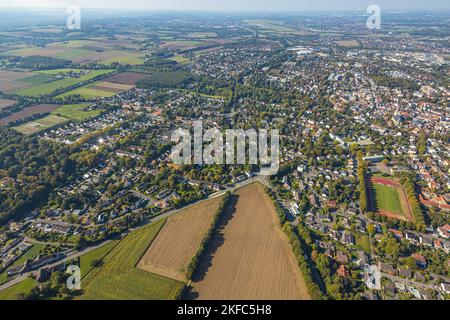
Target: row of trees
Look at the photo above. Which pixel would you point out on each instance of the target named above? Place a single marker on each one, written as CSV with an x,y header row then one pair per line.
x,y
207,239
299,247
362,167
409,187
299,242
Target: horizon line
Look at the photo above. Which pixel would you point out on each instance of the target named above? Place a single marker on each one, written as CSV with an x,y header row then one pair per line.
x,y
143,10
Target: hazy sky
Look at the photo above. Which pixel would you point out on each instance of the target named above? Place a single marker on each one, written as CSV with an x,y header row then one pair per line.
x,y
220,5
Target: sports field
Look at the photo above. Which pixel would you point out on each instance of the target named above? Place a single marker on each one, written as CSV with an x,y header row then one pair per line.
x,y
388,198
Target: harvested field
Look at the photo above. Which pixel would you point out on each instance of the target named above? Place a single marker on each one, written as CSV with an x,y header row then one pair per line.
x,y
249,256
127,78
28,112
171,252
10,80
5,103
388,198
348,43
184,45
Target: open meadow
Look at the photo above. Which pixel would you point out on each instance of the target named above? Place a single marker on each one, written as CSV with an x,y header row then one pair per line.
x,y
78,112
118,278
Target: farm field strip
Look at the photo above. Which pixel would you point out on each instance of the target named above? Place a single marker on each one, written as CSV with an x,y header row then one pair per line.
x,y
5,103
50,87
129,78
178,241
249,256
76,111
39,125
119,279
28,112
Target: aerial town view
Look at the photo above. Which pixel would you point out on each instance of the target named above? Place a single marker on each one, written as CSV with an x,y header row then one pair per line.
x,y
242,150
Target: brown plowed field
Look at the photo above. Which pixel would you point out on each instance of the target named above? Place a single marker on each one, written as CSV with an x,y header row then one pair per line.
x,y
127,77
178,241
249,257
28,112
5,103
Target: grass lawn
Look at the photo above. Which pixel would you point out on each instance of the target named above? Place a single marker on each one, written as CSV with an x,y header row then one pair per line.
x,y
88,259
22,287
50,87
39,125
179,59
32,253
123,57
72,54
37,79
388,199
76,112
362,242
119,279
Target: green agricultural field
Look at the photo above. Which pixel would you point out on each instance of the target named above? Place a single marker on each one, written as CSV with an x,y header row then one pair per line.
x,y
388,199
72,54
179,59
37,79
76,112
50,87
23,287
58,71
87,93
119,279
123,57
87,260
35,126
